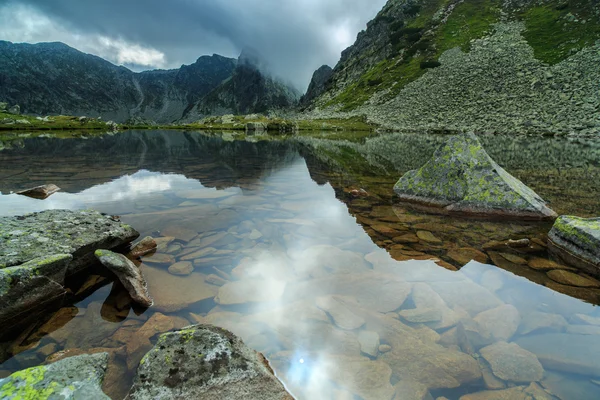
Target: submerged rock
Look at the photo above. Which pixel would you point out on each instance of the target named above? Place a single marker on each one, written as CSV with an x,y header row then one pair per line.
x,y
78,233
77,377
145,246
577,242
40,192
461,178
204,361
510,362
129,275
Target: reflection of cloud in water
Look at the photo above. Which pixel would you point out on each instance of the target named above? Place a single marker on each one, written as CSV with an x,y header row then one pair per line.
x,y
125,189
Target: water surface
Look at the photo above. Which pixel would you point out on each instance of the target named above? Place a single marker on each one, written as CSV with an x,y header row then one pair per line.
x,y
333,284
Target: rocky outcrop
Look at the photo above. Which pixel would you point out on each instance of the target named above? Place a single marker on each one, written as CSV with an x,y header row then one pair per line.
x,y
250,89
461,178
78,377
204,361
78,233
31,286
128,273
53,78
37,252
318,85
577,242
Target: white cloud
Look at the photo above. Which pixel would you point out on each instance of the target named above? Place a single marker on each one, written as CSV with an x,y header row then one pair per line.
x,y
21,23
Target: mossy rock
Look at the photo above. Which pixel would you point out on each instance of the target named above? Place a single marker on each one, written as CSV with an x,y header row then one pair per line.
x,y
204,361
461,178
577,241
77,377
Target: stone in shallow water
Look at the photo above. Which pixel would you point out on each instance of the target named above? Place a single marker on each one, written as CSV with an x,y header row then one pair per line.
x,y
129,275
204,361
428,237
512,363
572,279
540,321
182,268
250,291
461,178
79,233
40,192
342,316
499,323
77,377
369,342
408,389
543,264
466,295
173,293
570,353
145,246
465,255
577,241
531,392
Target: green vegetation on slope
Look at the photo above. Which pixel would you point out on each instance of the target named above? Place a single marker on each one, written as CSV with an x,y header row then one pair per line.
x,y
556,30
54,123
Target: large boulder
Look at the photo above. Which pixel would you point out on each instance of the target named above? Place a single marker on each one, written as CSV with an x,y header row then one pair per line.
x,y
31,287
461,178
204,361
16,110
77,377
78,233
577,242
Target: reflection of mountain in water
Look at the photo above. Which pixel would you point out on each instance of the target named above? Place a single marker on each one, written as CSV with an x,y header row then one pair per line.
x,y
77,164
565,171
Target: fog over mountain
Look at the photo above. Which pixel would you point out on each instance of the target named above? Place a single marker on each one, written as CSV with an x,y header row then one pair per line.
x,y
295,36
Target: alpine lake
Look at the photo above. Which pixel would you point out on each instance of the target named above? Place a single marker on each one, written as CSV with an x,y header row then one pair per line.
x,y
297,245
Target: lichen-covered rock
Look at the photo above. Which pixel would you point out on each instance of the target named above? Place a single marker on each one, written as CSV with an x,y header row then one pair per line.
x,y
461,178
77,377
577,242
78,233
30,287
204,361
128,273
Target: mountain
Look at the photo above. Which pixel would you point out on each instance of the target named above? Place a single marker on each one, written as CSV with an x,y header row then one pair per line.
x,y
53,78
250,89
484,65
318,84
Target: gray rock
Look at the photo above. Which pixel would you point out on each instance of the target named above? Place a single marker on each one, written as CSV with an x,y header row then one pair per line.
x,y
3,106
30,287
204,361
540,321
461,178
411,390
369,342
16,110
341,315
79,233
77,377
570,353
577,241
128,273
500,323
256,127
40,192
512,363
23,122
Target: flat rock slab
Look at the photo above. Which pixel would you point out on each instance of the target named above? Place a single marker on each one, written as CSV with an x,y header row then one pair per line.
x,y
461,178
77,377
78,233
577,241
510,362
570,353
204,361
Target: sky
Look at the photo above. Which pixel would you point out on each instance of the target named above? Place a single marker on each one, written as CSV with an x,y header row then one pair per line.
x,y
295,36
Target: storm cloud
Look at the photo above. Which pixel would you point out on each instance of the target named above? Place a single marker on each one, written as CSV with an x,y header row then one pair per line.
x,y
295,36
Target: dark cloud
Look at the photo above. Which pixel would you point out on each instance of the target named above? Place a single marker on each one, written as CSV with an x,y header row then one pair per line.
x,y
296,36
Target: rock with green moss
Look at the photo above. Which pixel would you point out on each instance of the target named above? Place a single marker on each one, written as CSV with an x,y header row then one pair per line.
x,y
577,241
77,377
128,273
30,288
461,178
78,233
204,361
